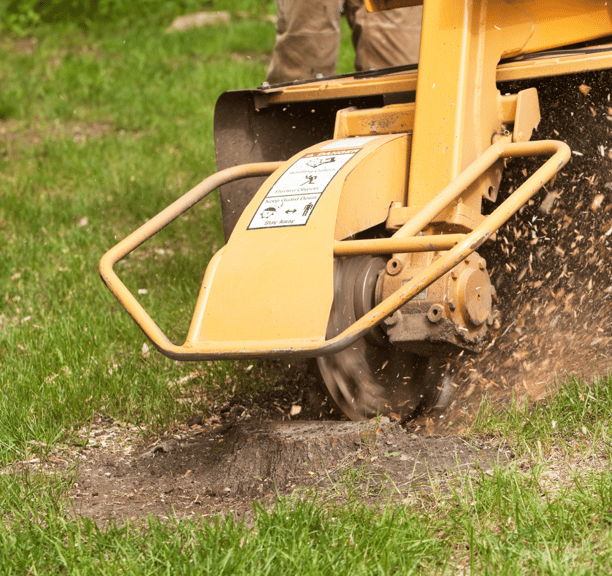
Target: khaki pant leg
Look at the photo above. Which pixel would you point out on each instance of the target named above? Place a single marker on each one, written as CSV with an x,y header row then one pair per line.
x,y
383,39
307,40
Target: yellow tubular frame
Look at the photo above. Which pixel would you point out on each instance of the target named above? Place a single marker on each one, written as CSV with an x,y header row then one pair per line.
x,y
403,241
157,223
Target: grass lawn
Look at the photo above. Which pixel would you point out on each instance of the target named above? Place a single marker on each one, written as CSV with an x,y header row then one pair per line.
x,y
101,126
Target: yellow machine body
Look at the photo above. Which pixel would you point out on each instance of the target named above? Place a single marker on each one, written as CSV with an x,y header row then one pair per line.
x,y
283,243
418,169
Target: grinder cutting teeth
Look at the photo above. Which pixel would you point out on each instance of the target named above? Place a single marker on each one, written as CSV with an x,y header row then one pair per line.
x,y
408,153
371,376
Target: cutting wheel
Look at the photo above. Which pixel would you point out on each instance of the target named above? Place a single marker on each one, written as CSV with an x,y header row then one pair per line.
x,y
372,376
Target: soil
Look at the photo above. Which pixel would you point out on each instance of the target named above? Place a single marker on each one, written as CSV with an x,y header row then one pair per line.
x,y
275,442
203,470
28,134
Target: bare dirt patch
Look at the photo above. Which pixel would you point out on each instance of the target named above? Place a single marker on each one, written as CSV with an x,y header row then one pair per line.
x,y
18,132
255,446
25,45
201,471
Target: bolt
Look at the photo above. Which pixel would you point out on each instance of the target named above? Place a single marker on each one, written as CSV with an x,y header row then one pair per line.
x,y
454,275
435,313
265,85
319,76
482,265
394,266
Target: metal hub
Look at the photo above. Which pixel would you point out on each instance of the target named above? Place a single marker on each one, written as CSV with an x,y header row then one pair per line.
x,y
452,314
474,296
372,376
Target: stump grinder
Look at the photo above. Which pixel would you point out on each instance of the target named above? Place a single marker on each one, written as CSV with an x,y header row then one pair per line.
x,y
353,205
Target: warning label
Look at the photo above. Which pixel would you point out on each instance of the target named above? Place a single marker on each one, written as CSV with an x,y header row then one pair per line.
x,y
295,194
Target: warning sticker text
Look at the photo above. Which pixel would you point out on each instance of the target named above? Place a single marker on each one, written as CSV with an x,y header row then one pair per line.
x,y
293,197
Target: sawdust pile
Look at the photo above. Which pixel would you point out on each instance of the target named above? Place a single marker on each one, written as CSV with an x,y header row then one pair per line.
x,y
551,265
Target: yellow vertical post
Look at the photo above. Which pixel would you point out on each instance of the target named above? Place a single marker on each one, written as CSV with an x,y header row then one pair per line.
x,y
457,101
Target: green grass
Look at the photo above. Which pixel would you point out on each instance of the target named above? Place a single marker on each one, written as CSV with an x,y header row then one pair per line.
x,y
577,417
20,16
106,123
511,521
103,130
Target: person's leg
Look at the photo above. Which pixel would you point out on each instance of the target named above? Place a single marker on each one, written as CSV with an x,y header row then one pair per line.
x,y
307,40
384,39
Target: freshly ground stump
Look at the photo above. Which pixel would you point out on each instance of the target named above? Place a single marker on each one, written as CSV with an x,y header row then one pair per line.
x,y
224,469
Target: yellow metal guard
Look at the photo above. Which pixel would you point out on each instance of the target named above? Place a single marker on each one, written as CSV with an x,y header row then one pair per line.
x,y
205,350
